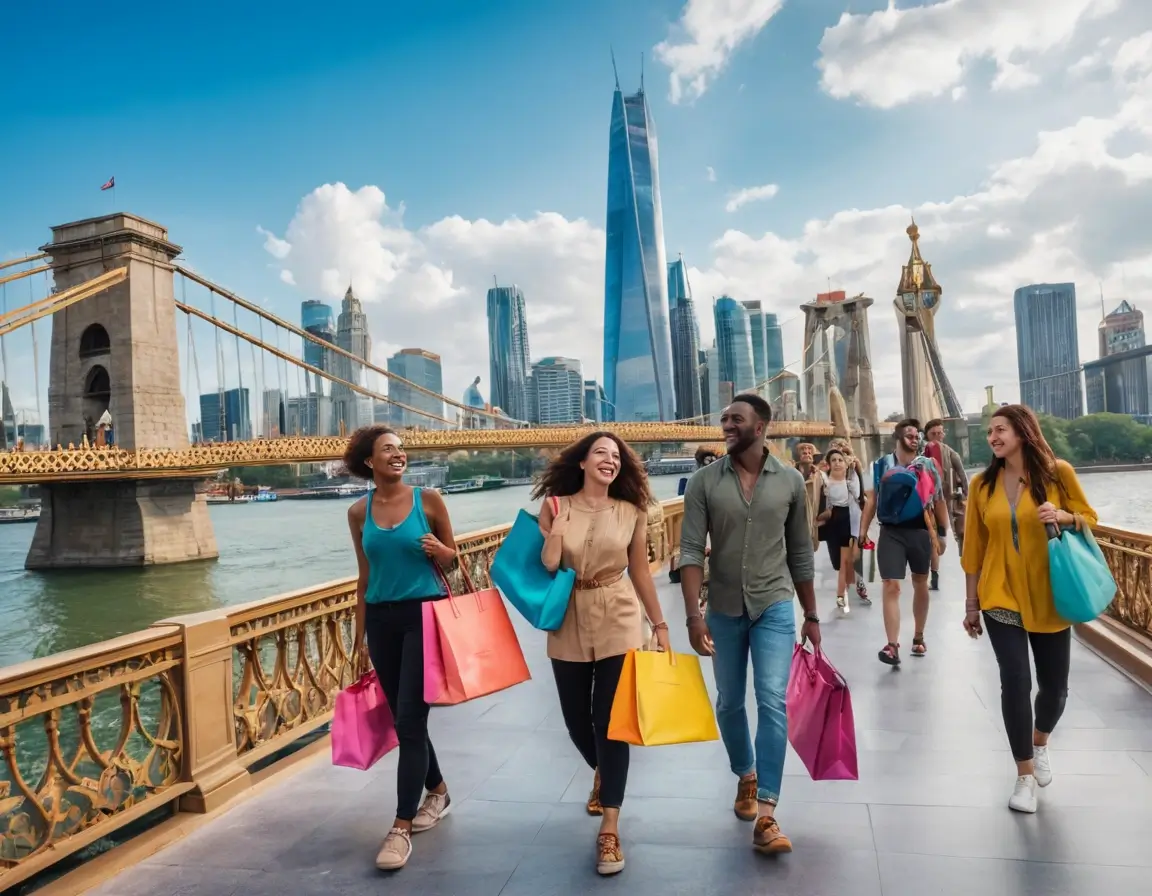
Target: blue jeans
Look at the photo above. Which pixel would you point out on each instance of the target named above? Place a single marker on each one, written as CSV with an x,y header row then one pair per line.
x,y
770,640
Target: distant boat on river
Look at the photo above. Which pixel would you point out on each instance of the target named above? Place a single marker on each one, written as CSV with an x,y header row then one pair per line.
x,y
27,514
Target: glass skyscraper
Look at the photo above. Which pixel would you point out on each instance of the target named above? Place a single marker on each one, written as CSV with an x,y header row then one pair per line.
x,y
557,391
1048,349
508,359
734,344
685,342
423,369
316,320
775,338
637,340
226,416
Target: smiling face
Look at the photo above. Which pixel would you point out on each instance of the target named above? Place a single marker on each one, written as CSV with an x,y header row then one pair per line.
x,y
602,465
741,427
1002,438
388,460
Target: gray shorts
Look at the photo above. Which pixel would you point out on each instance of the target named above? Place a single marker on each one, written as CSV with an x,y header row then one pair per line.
x,y
899,550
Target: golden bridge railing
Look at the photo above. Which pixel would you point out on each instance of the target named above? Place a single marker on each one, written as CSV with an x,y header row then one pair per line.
x,y
18,467
1129,556
173,716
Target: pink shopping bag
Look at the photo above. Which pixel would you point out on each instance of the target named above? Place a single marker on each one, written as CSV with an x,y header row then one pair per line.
x,y
435,678
820,724
362,727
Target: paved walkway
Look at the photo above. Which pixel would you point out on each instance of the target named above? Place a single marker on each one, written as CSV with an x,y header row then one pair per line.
x,y
928,815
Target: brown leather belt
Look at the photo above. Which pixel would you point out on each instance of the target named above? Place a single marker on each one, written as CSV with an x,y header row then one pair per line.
x,y
593,584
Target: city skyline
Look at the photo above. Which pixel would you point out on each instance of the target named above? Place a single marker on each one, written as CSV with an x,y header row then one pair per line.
x,y
1022,172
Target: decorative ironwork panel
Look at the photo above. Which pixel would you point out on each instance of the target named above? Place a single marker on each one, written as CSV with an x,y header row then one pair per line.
x,y
1129,556
80,750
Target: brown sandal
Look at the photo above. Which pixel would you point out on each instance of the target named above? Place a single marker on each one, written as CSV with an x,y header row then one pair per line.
x,y
593,805
919,648
609,854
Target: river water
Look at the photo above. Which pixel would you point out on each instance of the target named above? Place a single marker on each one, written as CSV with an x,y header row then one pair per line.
x,y
267,549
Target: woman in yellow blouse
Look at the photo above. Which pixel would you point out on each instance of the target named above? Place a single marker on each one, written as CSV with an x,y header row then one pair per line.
x,y
1005,560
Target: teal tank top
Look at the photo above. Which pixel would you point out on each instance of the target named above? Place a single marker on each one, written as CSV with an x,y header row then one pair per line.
x,y
398,568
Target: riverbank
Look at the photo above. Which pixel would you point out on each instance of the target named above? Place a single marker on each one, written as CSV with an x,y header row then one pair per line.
x,y
1113,468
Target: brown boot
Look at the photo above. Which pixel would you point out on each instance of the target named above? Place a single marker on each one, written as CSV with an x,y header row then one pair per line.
x,y
768,839
745,805
593,805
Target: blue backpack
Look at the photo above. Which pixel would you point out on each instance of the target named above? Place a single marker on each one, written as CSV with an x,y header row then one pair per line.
x,y
904,493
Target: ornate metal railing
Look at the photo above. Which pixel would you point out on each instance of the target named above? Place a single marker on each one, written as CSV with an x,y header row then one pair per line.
x,y
94,739
1129,556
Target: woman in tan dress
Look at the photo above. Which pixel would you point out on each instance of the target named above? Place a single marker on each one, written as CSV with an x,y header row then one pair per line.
x,y
594,521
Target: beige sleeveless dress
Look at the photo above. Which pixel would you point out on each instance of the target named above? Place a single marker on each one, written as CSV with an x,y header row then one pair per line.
x,y
604,616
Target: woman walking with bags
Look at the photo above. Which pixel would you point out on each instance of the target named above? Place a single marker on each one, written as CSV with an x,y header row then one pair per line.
x,y
399,533
594,521
1024,488
839,521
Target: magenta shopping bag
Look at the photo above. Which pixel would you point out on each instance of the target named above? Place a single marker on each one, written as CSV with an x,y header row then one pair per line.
x,y
820,724
362,728
435,679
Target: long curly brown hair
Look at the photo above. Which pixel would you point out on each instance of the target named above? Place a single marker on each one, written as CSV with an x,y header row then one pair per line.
x,y
361,444
1039,459
564,476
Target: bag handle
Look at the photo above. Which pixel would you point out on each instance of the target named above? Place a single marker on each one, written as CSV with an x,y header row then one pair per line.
x,y
468,583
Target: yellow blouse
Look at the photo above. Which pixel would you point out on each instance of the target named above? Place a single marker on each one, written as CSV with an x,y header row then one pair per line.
x,y
1012,580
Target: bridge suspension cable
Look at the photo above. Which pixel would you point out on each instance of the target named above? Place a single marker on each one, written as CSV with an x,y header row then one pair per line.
x,y
240,334
328,346
27,259
13,320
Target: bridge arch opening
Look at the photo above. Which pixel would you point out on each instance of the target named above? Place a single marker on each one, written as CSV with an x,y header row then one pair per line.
x,y
94,341
97,394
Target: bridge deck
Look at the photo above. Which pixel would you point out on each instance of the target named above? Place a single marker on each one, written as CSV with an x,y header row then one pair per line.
x,y
929,813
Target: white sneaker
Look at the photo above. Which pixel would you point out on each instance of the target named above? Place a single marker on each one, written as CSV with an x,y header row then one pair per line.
x,y
395,851
1024,795
436,806
1042,764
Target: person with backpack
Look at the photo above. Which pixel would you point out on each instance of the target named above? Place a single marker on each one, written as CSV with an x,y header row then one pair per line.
x,y
907,499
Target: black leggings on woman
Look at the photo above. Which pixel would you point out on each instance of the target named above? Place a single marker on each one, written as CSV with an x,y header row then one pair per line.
x,y
395,635
1052,653
586,692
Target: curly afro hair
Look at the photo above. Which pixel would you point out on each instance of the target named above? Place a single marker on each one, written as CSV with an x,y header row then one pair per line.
x,y
361,444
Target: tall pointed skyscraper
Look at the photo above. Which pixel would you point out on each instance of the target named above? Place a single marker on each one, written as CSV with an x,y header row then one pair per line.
x,y
637,341
509,367
351,408
685,342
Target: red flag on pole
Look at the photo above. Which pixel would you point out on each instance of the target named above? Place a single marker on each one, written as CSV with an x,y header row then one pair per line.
x,y
110,185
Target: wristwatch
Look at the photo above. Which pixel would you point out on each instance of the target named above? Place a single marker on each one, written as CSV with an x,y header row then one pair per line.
x,y
812,617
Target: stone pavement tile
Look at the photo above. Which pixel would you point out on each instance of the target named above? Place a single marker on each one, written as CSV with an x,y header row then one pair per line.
x,y
153,880
662,870
1142,759
913,875
367,881
1086,836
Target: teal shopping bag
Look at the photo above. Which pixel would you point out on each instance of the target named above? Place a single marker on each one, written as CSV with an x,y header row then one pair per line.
x,y
1082,583
517,570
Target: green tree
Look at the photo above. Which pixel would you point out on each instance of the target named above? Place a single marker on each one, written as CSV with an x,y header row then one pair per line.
x,y
1109,437
1056,432
9,495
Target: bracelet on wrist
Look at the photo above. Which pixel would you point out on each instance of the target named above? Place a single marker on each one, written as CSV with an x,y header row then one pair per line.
x,y
656,626
693,618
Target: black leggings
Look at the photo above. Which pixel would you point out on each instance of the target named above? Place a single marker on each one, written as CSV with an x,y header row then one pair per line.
x,y
586,692
395,634
1052,654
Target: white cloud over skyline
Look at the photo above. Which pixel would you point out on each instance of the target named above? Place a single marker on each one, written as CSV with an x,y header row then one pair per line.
x,y
740,198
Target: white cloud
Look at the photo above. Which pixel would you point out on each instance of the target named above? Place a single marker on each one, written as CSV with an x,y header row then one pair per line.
x,y
427,287
286,277
711,173
750,194
712,30
1070,210
893,56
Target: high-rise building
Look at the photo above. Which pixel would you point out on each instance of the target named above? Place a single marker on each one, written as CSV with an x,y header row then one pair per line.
x,y
1047,349
685,342
557,391
509,364
720,391
7,419
637,340
1122,330
774,359
226,417
272,422
596,406
422,368
308,415
352,336
1119,383
734,344
316,320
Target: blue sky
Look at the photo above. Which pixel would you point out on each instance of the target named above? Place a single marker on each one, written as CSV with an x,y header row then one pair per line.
x,y
473,119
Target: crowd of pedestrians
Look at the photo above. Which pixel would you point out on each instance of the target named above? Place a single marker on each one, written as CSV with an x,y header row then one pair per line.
x,y
751,528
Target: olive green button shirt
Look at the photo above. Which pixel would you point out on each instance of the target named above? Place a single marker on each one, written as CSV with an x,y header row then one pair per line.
x,y
760,549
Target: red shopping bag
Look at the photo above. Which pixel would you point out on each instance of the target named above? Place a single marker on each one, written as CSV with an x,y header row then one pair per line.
x,y
821,728
362,728
470,647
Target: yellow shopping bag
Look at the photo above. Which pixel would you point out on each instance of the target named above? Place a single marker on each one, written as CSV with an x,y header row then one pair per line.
x,y
661,700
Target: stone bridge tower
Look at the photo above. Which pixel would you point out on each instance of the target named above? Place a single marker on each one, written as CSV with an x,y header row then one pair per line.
x,y
117,352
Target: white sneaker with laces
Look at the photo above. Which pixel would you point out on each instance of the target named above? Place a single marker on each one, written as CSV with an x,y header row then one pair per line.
x,y
395,851
436,806
1024,795
1042,764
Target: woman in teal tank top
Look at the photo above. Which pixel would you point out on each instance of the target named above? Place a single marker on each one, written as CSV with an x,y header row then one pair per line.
x,y
403,540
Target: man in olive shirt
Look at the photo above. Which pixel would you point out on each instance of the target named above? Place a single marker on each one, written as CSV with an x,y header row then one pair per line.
x,y
754,509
